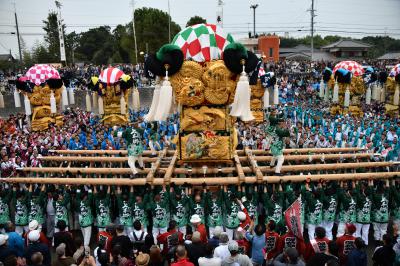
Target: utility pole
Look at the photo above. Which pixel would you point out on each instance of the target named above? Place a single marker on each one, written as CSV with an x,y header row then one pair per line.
x,y
312,29
61,34
169,23
134,31
19,42
254,18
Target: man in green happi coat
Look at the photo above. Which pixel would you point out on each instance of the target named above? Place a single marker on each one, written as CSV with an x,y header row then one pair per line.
x,y
125,202
276,132
84,201
380,207
214,205
21,207
179,208
133,138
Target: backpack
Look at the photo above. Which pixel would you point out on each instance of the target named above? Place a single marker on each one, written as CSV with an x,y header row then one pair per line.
x,y
138,243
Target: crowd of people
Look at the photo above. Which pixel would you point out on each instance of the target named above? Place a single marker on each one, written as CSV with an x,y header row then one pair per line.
x,y
186,225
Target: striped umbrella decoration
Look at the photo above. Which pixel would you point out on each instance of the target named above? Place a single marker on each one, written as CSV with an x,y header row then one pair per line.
x,y
395,71
202,42
39,73
110,75
351,66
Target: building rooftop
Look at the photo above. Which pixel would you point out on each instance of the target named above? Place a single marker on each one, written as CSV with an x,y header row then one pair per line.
x,y
346,44
390,56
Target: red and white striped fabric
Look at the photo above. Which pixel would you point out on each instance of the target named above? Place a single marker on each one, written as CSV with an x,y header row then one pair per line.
x,y
395,70
110,75
352,66
39,73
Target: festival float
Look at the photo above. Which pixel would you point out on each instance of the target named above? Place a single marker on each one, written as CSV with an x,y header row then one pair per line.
x,y
390,90
111,89
205,73
42,88
348,88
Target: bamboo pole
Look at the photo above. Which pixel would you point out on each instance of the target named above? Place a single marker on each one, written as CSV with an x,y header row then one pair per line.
x,y
102,152
198,181
210,170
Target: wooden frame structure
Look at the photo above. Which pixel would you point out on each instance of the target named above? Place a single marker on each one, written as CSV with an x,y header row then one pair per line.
x,y
72,167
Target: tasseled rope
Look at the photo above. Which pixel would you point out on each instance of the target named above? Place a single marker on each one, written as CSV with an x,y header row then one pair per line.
x,y
101,108
335,97
135,99
1,100
396,95
321,89
165,99
123,104
368,95
241,102
153,107
64,96
347,97
27,104
71,96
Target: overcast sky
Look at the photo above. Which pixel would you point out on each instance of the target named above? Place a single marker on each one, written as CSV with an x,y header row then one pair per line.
x,y
354,18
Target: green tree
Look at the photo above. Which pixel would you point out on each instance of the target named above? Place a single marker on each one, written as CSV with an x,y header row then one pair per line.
x,y
195,20
152,29
95,45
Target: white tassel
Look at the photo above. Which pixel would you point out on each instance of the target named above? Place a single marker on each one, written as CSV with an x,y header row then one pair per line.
x,y
101,108
88,103
347,97
17,99
241,103
383,94
53,104
276,94
266,99
396,95
165,101
27,103
374,93
335,97
123,104
368,95
321,89
1,100
64,96
153,107
95,100
71,96
326,93
135,100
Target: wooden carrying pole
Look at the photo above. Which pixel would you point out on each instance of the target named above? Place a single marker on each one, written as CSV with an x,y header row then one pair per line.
x,y
313,157
197,181
240,152
240,170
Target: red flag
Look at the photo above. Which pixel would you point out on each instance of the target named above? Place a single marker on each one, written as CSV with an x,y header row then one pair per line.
x,y
293,220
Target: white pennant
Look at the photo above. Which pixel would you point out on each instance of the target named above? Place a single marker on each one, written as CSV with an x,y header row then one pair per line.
x,y
27,103
53,104
88,103
64,96
17,99
71,96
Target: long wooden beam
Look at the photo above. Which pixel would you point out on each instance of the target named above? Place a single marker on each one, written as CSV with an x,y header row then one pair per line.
x,y
306,150
102,152
170,170
154,168
197,181
240,152
253,165
241,158
210,170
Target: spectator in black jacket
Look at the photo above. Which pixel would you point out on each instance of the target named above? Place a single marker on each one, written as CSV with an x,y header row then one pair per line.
x,y
384,255
35,246
196,249
124,241
64,237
